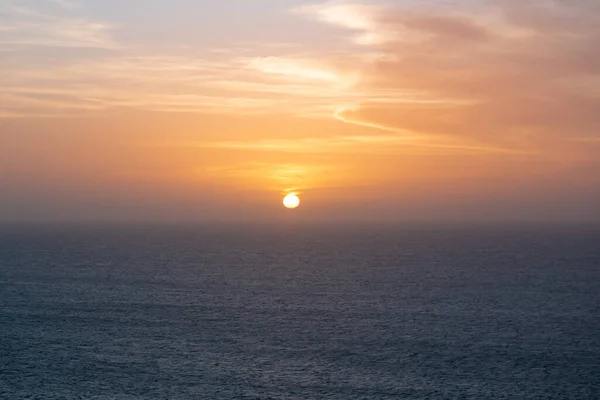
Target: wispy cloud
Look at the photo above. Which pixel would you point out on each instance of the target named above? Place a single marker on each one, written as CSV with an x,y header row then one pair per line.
x,y
22,25
351,15
295,69
210,83
516,66
499,74
366,144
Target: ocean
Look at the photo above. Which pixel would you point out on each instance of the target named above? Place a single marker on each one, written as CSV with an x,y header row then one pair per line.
x,y
299,312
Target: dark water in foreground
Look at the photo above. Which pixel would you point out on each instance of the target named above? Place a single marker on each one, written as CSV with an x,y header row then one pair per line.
x,y
307,313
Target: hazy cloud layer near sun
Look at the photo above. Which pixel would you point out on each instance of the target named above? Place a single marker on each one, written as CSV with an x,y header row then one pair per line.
x,y
391,108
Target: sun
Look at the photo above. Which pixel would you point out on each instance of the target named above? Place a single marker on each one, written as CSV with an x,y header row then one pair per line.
x,y
291,201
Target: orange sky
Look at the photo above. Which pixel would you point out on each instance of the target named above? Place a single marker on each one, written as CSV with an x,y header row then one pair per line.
x,y
374,110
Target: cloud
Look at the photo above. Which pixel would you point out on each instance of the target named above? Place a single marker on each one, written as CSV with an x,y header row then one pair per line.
x,y
293,68
9,114
497,75
352,16
517,68
206,83
23,24
362,144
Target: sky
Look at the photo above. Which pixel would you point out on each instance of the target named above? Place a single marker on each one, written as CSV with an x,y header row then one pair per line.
x,y
198,110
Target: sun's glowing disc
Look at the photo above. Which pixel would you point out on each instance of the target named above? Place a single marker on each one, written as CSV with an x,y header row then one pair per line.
x,y
291,201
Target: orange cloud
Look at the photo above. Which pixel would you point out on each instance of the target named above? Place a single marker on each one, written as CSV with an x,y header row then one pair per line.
x,y
514,65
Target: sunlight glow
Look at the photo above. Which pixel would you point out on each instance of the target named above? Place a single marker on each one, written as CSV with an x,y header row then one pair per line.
x,y
291,201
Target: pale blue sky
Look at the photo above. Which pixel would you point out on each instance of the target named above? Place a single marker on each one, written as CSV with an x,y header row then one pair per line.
x,y
195,22
200,24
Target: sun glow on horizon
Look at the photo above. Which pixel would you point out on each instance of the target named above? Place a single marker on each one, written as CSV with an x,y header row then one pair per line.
x,y
291,201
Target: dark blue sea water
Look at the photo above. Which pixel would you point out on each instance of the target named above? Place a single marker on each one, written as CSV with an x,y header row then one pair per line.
x,y
299,313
